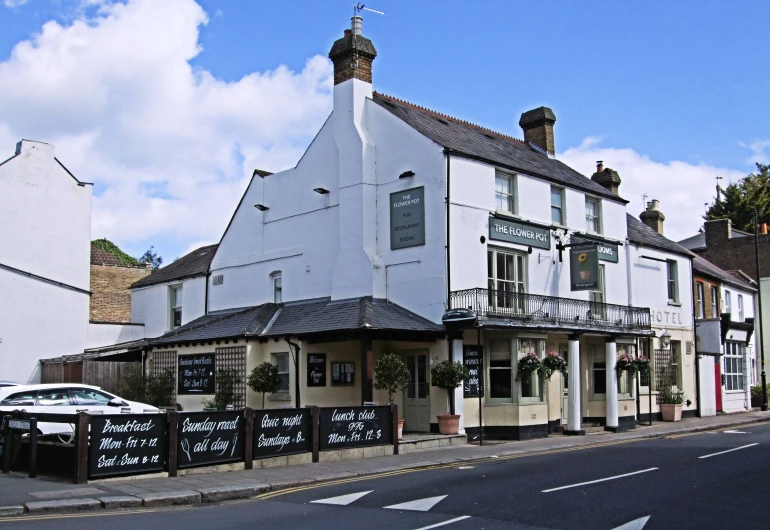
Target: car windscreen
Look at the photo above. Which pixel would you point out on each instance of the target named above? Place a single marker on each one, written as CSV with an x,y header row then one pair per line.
x,y
89,396
20,398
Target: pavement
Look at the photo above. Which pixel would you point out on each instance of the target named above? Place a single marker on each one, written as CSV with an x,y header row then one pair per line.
x,y
20,495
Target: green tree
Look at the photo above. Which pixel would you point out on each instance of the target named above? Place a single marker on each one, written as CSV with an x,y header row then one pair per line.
x,y
739,200
264,379
151,256
112,248
449,375
391,374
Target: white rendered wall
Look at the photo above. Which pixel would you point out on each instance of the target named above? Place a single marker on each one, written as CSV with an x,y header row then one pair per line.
x,y
151,305
47,221
105,334
738,400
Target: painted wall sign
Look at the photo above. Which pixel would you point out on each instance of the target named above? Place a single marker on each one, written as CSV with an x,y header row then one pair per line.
x,y
343,427
666,317
607,251
407,218
584,268
316,369
473,359
124,444
281,432
209,438
196,374
512,232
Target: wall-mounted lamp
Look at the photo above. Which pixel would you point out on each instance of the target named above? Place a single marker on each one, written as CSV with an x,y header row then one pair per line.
x,y
322,191
261,207
406,174
665,338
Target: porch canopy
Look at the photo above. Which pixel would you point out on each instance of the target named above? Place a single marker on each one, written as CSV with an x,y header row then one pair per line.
x,y
321,320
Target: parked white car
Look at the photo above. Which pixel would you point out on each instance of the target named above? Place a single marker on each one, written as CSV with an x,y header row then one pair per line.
x,y
66,398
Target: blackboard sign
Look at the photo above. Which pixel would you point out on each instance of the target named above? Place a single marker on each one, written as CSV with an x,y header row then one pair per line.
x,y
123,444
344,427
210,438
281,432
316,369
196,374
473,359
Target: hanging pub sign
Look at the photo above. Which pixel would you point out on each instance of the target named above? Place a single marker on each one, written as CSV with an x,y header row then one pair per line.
x,y
457,319
473,360
523,234
209,437
343,427
123,444
607,251
584,268
196,374
407,218
280,432
316,369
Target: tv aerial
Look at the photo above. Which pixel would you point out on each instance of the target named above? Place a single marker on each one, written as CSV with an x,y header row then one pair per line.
x,y
357,8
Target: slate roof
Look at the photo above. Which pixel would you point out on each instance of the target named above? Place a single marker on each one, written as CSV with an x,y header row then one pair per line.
x,y
490,146
196,263
698,241
301,318
706,268
641,234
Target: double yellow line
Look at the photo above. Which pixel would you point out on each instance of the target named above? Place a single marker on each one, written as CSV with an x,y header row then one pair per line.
x,y
278,493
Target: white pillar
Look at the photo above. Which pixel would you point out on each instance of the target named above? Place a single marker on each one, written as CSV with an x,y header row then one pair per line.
x,y
574,417
612,386
457,355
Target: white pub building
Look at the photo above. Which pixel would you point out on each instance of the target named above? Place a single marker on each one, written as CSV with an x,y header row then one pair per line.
x,y
396,214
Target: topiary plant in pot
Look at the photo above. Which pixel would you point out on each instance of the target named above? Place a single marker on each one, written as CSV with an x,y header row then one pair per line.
x,y
392,375
449,376
264,379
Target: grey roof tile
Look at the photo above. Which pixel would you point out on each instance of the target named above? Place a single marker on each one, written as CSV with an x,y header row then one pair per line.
x,y
641,234
489,145
196,263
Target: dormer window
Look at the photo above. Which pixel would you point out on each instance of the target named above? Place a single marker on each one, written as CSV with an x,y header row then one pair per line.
x,y
277,286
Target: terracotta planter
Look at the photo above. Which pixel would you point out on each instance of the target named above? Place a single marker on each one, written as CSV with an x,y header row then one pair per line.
x,y
448,423
400,428
671,412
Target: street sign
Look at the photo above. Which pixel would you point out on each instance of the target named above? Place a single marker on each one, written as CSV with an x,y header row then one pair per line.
x,y
20,425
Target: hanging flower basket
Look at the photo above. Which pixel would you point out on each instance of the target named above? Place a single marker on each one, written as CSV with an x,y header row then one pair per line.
x,y
624,362
641,365
553,363
528,365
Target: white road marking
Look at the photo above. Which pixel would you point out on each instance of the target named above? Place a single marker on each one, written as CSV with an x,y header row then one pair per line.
x,y
636,524
342,500
729,450
420,505
444,523
735,432
464,467
599,480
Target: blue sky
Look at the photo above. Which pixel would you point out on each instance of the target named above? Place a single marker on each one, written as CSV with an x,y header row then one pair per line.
x,y
668,93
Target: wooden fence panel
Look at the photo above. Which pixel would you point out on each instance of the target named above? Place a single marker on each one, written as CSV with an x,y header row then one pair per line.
x,y
52,373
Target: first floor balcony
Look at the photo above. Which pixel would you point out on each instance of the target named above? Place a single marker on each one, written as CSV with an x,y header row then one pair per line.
x,y
538,311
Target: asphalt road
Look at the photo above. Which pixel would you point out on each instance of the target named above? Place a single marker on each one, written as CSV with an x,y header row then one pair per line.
x,y
707,480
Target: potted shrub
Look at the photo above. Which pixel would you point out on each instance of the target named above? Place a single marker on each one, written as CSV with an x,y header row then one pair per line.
x,y
264,379
392,375
756,395
449,376
671,400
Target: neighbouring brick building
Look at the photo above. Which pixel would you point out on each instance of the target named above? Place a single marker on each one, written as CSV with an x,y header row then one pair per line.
x,y
111,280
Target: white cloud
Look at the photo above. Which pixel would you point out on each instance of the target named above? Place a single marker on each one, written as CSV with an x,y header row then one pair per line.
x,y
173,145
759,152
14,3
682,188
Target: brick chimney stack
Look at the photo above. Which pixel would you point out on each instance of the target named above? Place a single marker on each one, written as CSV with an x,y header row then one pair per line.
x,y
537,125
718,231
606,177
653,217
353,55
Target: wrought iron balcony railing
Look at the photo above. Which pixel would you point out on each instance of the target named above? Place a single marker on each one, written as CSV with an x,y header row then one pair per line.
x,y
535,308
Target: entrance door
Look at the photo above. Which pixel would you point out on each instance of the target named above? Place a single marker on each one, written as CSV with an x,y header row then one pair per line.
x,y
564,352
417,398
718,382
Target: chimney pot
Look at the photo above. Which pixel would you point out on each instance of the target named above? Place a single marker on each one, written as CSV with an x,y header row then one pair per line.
x,y
346,33
764,229
356,24
599,166
653,217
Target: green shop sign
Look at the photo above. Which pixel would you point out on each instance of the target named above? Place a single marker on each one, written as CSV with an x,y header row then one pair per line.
x,y
607,251
584,268
513,232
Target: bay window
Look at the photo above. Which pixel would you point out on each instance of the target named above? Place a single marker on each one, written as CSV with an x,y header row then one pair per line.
x,y
502,362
